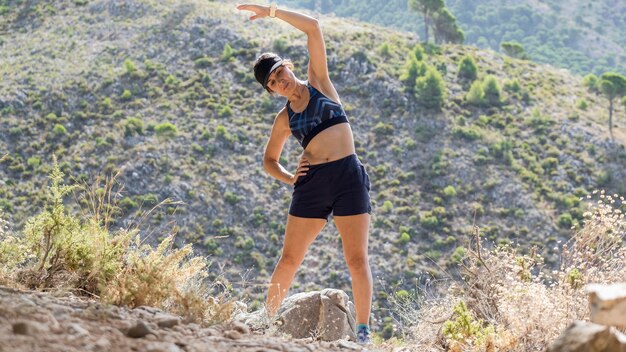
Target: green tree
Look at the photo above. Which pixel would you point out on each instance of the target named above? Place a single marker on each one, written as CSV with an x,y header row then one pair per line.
x,y
413,69
430,89
493,95
467,68
427,8
612,85
591,82
446,30
476,95
514,49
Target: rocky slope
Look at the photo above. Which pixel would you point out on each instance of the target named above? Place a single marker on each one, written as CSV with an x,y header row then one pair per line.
x,y
35,321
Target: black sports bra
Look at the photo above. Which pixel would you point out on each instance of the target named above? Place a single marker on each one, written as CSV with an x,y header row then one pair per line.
x,y
319,114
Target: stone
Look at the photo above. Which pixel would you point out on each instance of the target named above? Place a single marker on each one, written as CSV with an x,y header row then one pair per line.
x,y
326,314
29,328
241,327
167,320
140,329
582,336
608,304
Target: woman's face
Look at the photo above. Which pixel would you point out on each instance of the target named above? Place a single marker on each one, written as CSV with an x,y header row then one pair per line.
x,y
282,81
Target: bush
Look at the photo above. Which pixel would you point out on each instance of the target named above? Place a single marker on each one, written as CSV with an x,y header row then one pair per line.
x,y
383,129
476,95
516,295
132,125
413,69
493,95
384,50
61,250
404,239
166,129
449,192
59,130
467,68
126,95
430,89
228,52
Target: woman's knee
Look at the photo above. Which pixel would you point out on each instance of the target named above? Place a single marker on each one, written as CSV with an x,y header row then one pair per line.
x,y
357,262
290,261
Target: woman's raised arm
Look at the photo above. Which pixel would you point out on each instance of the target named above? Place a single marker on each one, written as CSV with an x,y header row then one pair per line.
x,y
318,66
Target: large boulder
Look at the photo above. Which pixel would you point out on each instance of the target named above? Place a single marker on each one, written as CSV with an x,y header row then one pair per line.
x,y
583,336
327,315
607,304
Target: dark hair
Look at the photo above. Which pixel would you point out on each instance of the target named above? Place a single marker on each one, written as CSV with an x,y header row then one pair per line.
x,y
263,66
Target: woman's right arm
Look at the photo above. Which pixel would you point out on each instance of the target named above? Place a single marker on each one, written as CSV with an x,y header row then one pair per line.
x,y
274,147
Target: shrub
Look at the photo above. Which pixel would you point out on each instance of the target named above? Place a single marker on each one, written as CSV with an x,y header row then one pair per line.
x,y
130,67
492,91
469,133
384,50
515,50
404,238
59,130
383,129
467,68
132,125
590,81
59,249
203,62
449,192
126,95
581,104
280,45
476,95
228,53
413,69
166,129
526,307
430,89
565,220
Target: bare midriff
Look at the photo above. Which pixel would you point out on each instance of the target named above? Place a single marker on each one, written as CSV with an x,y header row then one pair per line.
x,y
331,144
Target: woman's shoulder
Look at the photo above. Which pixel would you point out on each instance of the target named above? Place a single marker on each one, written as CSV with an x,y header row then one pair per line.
x,y
325,87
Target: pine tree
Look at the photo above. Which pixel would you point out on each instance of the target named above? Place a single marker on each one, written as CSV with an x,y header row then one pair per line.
x,y
467,68
446,29
426,8
612,85
430,89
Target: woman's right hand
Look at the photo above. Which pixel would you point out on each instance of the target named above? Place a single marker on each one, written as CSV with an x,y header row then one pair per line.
x,y
259,11
303,167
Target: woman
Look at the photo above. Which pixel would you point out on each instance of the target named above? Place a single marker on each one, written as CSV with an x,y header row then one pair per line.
x,y
329,177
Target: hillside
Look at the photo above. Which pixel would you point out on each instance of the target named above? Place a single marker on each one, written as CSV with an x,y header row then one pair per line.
x,y
581,36
152,89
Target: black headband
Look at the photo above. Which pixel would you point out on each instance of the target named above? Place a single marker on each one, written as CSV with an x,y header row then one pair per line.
x,y
265,68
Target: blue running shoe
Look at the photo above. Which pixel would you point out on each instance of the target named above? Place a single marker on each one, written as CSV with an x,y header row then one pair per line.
x,y
363,335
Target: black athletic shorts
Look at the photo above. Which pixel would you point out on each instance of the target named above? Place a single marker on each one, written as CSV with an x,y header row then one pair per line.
x,y
340,187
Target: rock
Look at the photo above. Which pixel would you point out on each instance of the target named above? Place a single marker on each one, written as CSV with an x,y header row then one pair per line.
x,y
29,328
140,329
241,327
233,334
167,320
589,337
77,330
608,304
327,314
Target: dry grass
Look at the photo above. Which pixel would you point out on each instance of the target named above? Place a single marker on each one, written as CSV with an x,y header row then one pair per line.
x,y
60,250
513,302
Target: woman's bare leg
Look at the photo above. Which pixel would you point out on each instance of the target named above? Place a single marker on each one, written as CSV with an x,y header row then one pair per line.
x,y
354,231
299,234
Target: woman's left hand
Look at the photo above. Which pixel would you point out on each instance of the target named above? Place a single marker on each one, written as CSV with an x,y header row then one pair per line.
x,y
259,11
